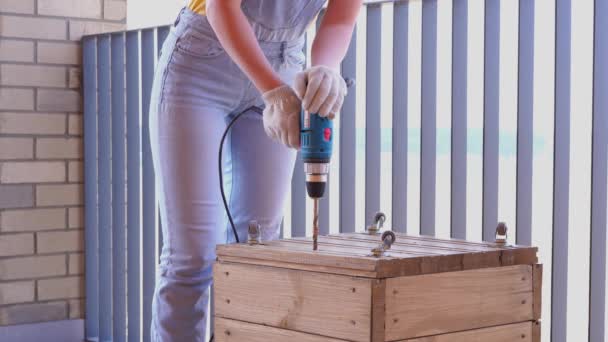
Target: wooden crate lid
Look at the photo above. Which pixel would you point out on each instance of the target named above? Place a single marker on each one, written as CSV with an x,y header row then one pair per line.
x,y
350,254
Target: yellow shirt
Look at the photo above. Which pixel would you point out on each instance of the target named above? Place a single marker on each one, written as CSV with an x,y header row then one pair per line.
x,y
197,6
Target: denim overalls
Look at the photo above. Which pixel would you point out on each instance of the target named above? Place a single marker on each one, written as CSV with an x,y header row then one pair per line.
x,y
197,89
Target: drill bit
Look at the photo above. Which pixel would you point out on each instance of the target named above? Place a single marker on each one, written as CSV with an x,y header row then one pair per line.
x,y
315,224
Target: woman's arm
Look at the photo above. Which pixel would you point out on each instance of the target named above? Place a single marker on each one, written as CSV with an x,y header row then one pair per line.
x,y
237,38
335,32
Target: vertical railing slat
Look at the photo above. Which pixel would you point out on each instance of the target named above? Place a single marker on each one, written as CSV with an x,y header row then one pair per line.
x,y
597,311
298,200
428,137
89,52
460,31
105,195
133,191
525,122
400,128
148,184
348,141
561,169
324,202
490,119
372,111
118,188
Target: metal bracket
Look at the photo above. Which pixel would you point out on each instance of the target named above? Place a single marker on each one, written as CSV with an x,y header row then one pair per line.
x,y
501,233
375,227
253,233
388,238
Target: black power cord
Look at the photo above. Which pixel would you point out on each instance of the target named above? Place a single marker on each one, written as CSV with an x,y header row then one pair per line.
x,y
220,171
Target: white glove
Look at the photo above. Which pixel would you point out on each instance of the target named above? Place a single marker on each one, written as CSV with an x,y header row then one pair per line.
x,y
321,89
282,115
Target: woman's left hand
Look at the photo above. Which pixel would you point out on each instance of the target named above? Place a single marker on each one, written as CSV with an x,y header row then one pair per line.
x,y
321,89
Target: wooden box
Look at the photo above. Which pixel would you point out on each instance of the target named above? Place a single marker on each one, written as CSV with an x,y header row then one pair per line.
x,y
422,289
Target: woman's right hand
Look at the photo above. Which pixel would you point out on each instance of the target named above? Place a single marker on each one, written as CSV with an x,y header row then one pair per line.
x,y
282,115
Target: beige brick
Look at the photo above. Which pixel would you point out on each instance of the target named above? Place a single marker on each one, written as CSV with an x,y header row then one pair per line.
x,y
84,28
70,8
75,125
16,148
32,76
32,267
16,196
75,172
32,219
59,194
16,51
115,10
74,78
76,308
32,172
76,217
17,6
17,292
76,263
59,53
61,288
16,99
58,100
32,123
32,313
36,28
60,241
59,148
16,244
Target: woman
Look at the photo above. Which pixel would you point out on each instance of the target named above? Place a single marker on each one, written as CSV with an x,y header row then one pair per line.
x,y
222,57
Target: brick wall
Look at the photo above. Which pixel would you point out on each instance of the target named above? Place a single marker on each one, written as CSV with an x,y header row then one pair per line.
x,y
41,192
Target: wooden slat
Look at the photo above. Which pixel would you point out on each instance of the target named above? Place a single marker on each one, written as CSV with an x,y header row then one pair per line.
x,y
491,119
134,189
525,122
119,297
597,310
520,332
537,278
236,331
561,171
372,111
400,114
428,137
537,331
378,310
105,194
348,141
458,300
458,217
295,300
89,52
149,211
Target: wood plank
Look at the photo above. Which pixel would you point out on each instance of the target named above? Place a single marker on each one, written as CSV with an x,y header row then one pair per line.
x,y
520,332
322,304
301,267
457,301
228,330
378,310
536,331
537,278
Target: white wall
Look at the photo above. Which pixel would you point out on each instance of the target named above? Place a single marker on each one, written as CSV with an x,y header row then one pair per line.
x,y
147,13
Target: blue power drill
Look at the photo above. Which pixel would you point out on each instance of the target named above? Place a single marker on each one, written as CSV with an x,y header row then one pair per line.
x,y
316,145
